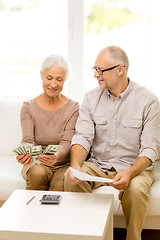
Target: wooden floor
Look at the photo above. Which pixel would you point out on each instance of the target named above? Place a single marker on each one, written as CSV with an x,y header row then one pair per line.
x,y
120,234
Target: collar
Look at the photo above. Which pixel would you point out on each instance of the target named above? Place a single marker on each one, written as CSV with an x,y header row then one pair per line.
x,y
124,94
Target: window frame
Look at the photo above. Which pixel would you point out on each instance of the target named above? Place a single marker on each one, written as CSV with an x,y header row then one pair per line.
x,y
75,85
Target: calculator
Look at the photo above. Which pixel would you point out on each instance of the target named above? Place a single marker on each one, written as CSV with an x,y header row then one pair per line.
x,y
50,198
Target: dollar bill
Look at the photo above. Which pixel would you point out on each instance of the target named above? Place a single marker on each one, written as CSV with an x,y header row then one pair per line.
x,y
27,147
23,149
35,151
31,149
17,151
35,160
51,149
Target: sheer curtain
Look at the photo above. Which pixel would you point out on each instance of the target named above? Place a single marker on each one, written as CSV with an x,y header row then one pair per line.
x,y
30,31
77,29
130,24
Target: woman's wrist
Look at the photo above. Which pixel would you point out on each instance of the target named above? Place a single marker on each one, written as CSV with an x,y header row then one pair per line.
x,y
58,155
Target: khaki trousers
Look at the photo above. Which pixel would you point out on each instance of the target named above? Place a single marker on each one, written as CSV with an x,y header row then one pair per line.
x,y
134,200
43,177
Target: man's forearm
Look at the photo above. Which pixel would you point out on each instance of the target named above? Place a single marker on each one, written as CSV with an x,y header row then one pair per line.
x,y
139,166
78,156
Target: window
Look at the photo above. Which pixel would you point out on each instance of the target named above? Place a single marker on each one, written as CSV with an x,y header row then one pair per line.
x,y
77,29
130,24
30,31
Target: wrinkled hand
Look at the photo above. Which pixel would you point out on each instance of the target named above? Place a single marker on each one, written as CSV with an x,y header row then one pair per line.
x,y
71,178
121,180
48,160
24,159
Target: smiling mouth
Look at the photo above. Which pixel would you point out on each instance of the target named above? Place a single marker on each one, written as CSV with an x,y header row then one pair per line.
x,y
53,89
100,81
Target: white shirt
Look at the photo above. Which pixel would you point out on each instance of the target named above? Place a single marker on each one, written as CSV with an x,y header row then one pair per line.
x,y
120,130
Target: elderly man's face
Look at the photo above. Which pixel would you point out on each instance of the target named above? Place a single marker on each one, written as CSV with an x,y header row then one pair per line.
x,y
109,78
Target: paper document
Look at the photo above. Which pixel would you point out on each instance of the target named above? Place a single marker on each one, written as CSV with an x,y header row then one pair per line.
x,y
87,177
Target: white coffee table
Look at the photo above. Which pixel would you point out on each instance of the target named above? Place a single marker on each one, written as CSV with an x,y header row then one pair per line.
x,y
79,216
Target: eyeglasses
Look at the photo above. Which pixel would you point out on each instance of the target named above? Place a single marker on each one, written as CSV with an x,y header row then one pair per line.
x,y
100,71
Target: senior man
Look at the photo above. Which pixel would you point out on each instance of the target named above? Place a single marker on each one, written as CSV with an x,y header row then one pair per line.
x,y
120,123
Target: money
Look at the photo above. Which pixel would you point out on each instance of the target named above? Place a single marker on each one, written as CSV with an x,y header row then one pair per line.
x,y
51,149
35,151
23,149
35,160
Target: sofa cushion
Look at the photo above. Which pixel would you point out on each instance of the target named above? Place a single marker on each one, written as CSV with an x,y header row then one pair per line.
x,y
10,124
10,176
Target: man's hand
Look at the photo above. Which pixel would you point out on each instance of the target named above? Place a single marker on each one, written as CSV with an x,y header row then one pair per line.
x,y
24,159
121,180
71,178
48,160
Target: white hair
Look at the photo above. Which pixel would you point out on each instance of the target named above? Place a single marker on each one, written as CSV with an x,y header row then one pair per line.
x,y
52,60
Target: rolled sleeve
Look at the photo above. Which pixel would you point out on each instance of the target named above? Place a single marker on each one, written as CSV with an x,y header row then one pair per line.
x,y
149,153
150,138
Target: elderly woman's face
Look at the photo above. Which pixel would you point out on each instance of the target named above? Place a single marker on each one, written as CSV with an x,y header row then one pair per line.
x,y
53,80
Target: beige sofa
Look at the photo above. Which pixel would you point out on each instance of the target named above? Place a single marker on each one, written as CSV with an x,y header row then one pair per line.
x,y
10,170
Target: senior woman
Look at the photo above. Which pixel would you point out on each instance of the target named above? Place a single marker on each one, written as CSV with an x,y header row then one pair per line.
x,y
48,119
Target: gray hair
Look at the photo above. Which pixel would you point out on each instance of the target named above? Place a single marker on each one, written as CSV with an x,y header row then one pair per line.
x,y
52,60
118,55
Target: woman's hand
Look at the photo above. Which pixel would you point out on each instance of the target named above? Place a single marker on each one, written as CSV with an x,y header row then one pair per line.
x,y
48,160
24,159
